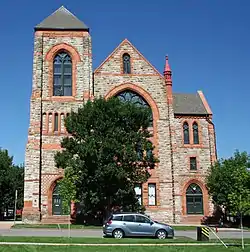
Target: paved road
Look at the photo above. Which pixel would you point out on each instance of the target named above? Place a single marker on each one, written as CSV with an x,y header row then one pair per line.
x,y
98,233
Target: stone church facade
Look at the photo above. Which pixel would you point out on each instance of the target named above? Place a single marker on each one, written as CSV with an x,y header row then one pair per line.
x,y
182,128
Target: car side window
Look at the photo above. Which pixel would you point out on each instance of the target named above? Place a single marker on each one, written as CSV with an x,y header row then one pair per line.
x,y
117,217
142,219
129,218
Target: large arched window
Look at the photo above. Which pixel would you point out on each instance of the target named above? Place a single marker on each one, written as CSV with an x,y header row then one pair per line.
x,y
126,63
62,75
194,199
130,96
195,133
186,133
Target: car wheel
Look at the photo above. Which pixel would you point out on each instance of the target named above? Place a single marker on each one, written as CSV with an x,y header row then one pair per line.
x,y
161,234
118,234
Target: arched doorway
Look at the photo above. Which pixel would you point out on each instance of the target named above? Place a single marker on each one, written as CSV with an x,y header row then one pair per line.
x,y
194,199
57,208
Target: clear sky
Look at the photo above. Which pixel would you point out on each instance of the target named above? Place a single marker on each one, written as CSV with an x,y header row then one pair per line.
x,y
208,43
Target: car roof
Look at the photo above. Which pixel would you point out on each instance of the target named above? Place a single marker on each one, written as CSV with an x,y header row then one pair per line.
x,y
127,213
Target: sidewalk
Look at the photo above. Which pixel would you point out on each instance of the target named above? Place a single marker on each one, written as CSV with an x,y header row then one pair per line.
x,y
8,224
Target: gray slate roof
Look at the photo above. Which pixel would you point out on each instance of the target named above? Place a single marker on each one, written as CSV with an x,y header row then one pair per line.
x,y
188,104
62,19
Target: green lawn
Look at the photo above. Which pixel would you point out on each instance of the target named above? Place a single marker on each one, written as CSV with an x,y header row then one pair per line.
x,y
12,248
85,240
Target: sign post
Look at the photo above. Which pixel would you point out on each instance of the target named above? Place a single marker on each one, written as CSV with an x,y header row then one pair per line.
x,y
15,207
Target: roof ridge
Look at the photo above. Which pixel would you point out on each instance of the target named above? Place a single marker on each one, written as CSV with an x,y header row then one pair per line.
x,y
61,19
68,11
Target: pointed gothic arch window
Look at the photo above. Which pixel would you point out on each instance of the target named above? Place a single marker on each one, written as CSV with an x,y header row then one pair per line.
x,y
194,199
195,133
186,133
62,75
133,97
126,63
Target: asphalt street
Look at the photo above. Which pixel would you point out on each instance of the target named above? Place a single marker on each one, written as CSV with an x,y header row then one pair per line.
x,y
98,233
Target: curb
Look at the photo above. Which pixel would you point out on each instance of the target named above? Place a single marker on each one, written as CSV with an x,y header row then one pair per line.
x,y
115,244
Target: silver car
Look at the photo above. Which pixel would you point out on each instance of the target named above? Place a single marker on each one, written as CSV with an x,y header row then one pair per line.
x,y
135,224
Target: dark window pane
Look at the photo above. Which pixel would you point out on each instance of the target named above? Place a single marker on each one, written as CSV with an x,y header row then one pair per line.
x,y
57,91
196,133
129,218
193,163
194,189
57,68
67,69
57,80
126,64
186,133
62,75
198,199
194,200
67,80
142,219
67,91
56,122
117,217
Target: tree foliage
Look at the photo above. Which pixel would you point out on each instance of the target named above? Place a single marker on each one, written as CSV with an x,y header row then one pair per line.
x,y
11,179
108,153
229,183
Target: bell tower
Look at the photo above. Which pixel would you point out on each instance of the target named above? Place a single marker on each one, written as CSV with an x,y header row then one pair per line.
x,y
62,81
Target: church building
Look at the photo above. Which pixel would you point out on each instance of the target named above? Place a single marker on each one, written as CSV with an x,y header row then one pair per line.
x,y
63,79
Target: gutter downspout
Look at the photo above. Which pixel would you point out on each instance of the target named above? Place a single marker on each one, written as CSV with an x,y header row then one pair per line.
x,y
215,146
41,133
172,164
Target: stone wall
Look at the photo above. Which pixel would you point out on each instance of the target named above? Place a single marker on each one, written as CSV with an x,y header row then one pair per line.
x,y
47,44
171,176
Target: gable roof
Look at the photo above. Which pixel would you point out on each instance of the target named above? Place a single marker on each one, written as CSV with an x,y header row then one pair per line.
x,y
62,19
135,49
189,104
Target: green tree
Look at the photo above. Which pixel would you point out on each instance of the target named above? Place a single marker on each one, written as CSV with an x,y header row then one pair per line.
x,y
107,153
229,183
11,179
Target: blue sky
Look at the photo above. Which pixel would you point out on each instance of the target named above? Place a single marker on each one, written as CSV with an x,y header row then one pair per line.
x,y
208,43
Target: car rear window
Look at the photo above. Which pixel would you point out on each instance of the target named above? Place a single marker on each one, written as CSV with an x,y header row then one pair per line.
x,y
129,218
117,217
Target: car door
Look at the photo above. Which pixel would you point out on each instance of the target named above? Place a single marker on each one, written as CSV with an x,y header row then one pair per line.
x,y
144,226
129,225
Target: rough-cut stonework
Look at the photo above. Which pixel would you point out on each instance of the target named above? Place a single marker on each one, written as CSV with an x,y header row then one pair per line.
x,y
172,175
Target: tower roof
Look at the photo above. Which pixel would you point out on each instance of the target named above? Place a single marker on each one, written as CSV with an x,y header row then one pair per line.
x,y
62,19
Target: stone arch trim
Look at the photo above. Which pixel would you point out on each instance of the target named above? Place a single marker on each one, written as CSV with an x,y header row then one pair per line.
x,y
75,57
204,196
129,86
50,193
